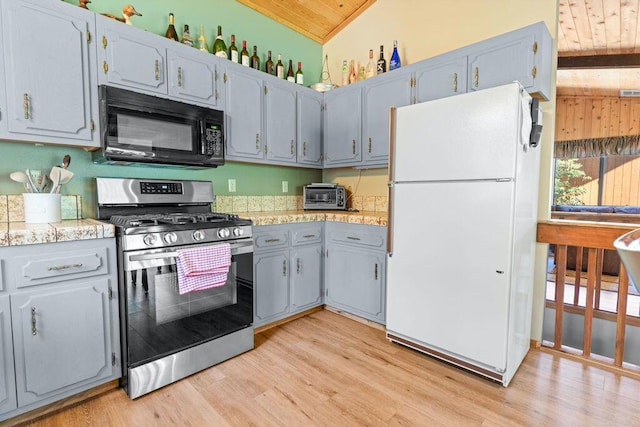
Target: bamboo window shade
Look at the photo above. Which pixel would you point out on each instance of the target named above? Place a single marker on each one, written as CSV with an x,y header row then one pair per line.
x,y
596,147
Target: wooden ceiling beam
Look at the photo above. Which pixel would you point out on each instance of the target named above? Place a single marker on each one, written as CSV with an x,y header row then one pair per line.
x,y
599,61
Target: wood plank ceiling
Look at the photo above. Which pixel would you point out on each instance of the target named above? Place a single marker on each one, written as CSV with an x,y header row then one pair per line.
x,y
598,29
318,20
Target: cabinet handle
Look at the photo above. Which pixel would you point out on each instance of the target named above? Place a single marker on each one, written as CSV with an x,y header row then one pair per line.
x,y
104,42
34,329
271,240
298,264
284,268
353,238
375,271
257,141
353,146
455,82
304,149
292,147
157,69
105,67
534,72
309,236
64,267
27,116
477,77
224,77
179,76
369,145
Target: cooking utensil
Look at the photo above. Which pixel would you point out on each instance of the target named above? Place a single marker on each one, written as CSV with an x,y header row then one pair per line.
x,y
66,161
22,178
63,176
54,175
32,182
38,179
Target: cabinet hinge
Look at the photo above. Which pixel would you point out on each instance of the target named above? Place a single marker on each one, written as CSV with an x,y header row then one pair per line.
x,y
93,127
266,90
327,253
89,37
224,77
534,72
110,293
113,359
535,47
216,95
215,75
265,149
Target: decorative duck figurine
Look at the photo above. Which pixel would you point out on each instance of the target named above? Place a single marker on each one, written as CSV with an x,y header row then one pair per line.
x,y
127,12
83,4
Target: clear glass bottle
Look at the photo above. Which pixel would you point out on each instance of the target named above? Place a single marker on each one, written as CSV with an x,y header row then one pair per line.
x,y
186,36
280,68
345,73
371,66
299,75
353,74
171,30
394,63
219,46
381,65
233,50
202,40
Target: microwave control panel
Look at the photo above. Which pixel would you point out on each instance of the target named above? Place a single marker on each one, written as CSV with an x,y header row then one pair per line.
x,y
212,144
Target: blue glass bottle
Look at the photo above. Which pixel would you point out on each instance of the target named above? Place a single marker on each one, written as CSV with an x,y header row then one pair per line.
x,y
395,57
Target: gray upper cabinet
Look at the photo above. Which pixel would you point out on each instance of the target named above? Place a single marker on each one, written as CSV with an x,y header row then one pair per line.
x,y
280,122
342,127
8,399
441,78
64,337
394,90
192,76
310,128
130,58
48,63
243,97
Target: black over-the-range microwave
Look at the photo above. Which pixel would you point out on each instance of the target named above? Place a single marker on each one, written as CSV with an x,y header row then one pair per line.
x,y
147,129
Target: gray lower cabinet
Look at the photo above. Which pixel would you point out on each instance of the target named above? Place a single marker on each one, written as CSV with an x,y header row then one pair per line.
x,y
287,270
355,269
63,300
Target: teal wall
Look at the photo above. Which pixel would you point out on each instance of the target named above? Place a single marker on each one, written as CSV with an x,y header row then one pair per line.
x,y
250,179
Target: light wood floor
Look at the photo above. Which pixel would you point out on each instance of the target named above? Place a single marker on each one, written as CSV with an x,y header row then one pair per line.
x,y
325,369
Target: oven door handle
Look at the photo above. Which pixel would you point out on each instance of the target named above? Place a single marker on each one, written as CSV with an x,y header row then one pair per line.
x,y
237,248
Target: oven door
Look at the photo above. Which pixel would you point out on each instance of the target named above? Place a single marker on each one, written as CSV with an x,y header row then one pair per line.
x,y
160,321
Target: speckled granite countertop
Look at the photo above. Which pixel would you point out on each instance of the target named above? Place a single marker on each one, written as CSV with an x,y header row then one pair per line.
x,y
288,217
21,233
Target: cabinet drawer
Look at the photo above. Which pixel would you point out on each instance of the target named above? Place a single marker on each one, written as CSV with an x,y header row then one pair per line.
x,y
368,236
271,239
32,270
306,235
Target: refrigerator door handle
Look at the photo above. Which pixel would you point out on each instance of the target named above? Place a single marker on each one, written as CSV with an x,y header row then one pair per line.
x,y
392,147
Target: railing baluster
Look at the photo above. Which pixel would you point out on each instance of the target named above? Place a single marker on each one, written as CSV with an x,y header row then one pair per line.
x,y
561,272
576,284
588,306
599,262
623,290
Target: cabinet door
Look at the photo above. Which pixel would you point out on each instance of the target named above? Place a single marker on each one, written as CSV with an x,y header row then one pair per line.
x,y
62,339
355,281
503,63
280,122
130,58
243,115
441,79
310,128
192,76
379,97
271,281
48,60
7,379
306,277
342,120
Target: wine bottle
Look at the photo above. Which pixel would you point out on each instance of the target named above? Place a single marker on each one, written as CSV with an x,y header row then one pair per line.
x,y
202,40
381,66
345,73
255,59
186,36
371,66
280,68
233,50
268,66
299,75
219,46
395,58
353,74
362,74
244,55
290,76
171,31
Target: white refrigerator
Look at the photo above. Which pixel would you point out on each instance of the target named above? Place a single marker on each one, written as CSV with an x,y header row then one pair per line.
x,y
463,187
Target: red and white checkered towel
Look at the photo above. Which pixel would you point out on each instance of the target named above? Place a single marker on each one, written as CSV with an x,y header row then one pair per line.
x,y
203,267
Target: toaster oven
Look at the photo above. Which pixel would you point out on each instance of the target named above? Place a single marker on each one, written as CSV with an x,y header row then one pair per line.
x,y
324,196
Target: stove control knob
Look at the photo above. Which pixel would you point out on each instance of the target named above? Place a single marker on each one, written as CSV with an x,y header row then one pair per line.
x,y
237,232
170,238
149,239
224,233
198,235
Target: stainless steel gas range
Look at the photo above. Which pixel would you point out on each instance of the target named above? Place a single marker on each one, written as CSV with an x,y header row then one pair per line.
x,y
167,335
